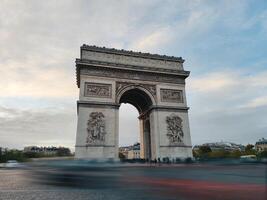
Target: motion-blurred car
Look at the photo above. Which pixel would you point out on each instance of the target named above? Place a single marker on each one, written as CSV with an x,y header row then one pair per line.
x,y
248,158
76,173
12,164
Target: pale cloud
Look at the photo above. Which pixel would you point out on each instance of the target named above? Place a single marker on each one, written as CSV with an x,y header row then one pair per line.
x,y
213,82
259,80
47,126
29,79
153,40
228,106
234,81
256,102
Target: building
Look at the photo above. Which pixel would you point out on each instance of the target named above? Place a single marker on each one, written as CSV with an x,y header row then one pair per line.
x,y
124,151
261,145
131,152
47,150
134,152
226,146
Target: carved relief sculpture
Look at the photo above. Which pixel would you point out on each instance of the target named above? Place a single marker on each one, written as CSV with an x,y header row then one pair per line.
x,y
97,90
174,129
96,129
168,95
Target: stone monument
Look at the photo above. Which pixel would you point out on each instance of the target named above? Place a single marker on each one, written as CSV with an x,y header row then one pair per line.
x,y
154,84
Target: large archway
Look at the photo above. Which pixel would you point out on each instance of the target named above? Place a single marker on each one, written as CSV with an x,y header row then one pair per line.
x,y
154,84
128,128
142,101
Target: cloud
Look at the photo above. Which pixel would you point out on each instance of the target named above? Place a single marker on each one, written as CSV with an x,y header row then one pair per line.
x,y
213,82
228,106
48,127
256,102
27,80
153,40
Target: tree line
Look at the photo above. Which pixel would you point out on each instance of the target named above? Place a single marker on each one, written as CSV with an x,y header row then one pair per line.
x,y
205,153
21,156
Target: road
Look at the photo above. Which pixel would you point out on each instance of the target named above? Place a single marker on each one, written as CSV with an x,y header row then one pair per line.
x,y
183,181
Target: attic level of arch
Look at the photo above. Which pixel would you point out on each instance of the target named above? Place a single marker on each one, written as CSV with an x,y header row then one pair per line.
x,y
114,63
130,53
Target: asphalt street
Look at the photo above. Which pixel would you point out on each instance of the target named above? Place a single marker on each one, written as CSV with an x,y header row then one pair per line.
x,y
182,181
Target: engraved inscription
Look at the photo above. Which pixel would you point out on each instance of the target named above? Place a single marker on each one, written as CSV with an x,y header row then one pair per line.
x,y
96,129
169,95
174,129
97,90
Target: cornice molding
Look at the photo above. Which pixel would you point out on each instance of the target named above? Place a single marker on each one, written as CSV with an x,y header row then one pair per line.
x,y
119,73
170,108
97,104
86,62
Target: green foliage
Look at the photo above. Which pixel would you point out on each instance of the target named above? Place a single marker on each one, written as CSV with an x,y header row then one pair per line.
x,y
62,151
121,155
249,150
235,154
206,154
249,147
262,154
33,155
12,155
218,154
204,149
195,154
202,153
21,156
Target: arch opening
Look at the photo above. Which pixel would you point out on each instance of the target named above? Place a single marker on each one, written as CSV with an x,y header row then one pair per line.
x,y
138,98
142,102
128,132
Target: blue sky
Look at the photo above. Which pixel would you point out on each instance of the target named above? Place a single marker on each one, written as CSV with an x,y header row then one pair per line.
x,y
223,43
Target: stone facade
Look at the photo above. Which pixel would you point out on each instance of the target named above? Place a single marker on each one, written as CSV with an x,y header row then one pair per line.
x,y
154,84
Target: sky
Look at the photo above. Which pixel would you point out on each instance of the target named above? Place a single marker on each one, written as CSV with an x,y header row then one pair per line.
x,y
224,44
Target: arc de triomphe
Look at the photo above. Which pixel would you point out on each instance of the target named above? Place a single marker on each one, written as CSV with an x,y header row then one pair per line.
x,y
154,84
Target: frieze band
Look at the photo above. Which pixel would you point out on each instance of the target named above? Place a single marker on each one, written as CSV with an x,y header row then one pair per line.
x,y
97,90
169,95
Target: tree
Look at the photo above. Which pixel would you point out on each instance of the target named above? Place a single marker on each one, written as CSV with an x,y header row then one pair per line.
x,y
204,149
203,152
235,154
249,149
262,154
63,151
121,155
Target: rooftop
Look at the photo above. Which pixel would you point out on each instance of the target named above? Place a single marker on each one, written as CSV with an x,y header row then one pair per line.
x,y
131,53
262,141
